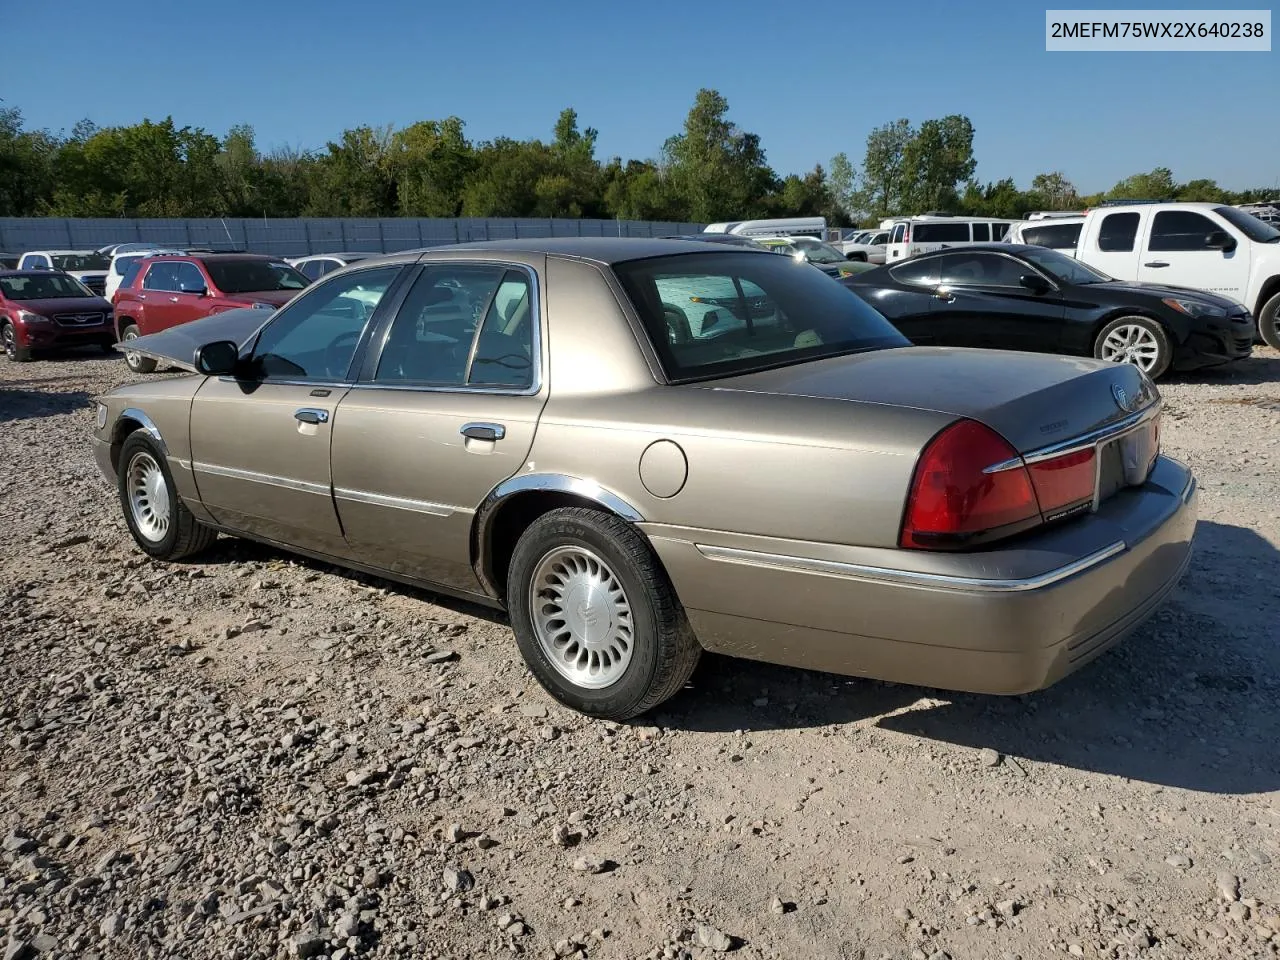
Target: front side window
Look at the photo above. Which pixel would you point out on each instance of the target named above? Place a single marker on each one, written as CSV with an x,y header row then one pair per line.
x,y
43,286
188,277
1064,268
979,269
1118,232
1180,230
768,311
463,325
161,276
315,338
254,276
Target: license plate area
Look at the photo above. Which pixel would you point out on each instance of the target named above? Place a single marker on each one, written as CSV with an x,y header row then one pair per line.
x,y
1127,460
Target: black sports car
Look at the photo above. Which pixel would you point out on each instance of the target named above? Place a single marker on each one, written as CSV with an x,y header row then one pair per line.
x,y
1019,297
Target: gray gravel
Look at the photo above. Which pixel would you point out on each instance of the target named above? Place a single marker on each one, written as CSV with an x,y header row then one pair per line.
x,y
255,756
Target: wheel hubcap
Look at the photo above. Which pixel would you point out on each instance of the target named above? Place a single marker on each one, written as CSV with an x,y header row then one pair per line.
x,y
10,342
1131,344
581,617
148,497
133,358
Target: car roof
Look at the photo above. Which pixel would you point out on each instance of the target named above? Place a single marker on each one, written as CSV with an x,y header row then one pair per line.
x,y
603,250
340,255
60,253
31,273
213,257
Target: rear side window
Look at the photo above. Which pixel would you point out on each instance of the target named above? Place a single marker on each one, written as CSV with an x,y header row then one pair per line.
x,y
998,230
1180,230
1118,231
1059,236
940,233
121,264
981,232
710,315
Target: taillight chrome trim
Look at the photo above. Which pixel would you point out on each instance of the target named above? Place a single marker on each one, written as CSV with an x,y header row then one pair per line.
x,y
1095,438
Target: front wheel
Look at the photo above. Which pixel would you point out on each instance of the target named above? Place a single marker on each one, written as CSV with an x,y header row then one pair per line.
x,y
159,521
595,616
15,353
136,361
1269,322
1140,341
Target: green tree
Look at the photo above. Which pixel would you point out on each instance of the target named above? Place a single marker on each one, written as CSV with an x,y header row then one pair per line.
x,y
1156,185
1057,190
883,168
934,161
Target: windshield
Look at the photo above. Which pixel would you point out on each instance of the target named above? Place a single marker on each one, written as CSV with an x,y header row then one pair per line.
x,y
1064,268
717,314
818,252
43,286
80,261
254,276
1256,230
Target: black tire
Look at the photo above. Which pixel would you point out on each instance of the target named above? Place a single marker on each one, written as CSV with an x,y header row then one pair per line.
x,y
9,337
135,362
1269,322
1164,346
185,535
664,651
857,257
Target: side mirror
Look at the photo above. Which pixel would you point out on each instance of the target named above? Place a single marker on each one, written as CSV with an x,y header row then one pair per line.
x,y
1034,282
218,358
1220,240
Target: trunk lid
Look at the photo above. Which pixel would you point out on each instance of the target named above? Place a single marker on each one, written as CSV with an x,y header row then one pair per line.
x,y
1033,400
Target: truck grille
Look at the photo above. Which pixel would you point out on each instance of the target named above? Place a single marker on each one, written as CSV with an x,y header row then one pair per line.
x,y
79,319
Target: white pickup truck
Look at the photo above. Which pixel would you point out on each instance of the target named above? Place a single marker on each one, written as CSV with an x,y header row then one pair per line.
x,y
1205,246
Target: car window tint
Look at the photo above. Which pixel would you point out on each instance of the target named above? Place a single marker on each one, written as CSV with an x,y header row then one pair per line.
x,y
161,276
316,337
979,269
463,325
1180,230
998,230
716,314
121,264
1057,236
188,277
899,231
129,272
1117,232
920,272
312,269
940,233
981,231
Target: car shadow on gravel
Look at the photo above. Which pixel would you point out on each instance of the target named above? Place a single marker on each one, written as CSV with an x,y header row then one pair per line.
x,y
19,403
1259,368
1189,700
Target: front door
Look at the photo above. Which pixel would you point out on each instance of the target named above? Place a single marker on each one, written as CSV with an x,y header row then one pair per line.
x,y
159,296
982,303
260,442
446,412
1176,253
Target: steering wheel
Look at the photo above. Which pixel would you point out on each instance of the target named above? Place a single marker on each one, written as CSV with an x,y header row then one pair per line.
x,y
678,329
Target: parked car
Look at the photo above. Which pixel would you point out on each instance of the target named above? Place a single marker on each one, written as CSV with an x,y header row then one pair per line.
x,y
50,310
1020,297
316,265
9,261
817,252
516,424
126,256
161,292
87,266
910,236
1207,246
1056,233
870,246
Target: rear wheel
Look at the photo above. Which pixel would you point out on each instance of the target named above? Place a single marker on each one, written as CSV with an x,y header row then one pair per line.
x,y
595,616
1140,341
9,337
159,521
1269,322
136,361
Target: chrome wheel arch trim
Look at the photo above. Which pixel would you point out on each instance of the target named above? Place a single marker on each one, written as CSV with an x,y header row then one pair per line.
x,y
147,424
586,489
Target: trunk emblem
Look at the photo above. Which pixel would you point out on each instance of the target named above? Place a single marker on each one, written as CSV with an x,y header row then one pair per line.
x,y
1122,398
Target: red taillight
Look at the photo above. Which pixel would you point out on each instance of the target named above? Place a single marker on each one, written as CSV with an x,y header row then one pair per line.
x,y
1064,482
906,234
955,494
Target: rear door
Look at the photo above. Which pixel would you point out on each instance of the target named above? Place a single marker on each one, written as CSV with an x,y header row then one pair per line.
x,y
159,297
1176,253
1111,244
260,443
982,303
443,414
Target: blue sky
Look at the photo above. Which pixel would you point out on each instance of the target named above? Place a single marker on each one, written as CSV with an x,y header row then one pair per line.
x,y
810,79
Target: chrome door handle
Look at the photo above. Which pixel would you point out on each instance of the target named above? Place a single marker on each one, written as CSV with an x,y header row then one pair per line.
x,y
946,295
142,296
1156,263
483,431
173,299
311,415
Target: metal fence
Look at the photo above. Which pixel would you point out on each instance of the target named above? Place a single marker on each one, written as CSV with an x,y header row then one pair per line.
x,y
304,235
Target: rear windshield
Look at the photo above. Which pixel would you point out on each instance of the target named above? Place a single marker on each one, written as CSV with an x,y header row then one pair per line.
x,y
254,276
81,261
718,314
43,286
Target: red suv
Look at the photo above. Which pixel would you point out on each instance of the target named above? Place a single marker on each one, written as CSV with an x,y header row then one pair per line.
x,y
46,310
162,292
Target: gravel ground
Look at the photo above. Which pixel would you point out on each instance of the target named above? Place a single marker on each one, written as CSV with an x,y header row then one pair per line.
x,y
255,756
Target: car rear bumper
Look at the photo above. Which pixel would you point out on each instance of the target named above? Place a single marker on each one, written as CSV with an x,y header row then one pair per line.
x,y
1003,621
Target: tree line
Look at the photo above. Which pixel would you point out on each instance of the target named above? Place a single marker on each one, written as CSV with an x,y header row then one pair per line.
x,y
710,170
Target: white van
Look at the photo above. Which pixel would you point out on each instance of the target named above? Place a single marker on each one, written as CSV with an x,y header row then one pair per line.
x,y
779,227
910,236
